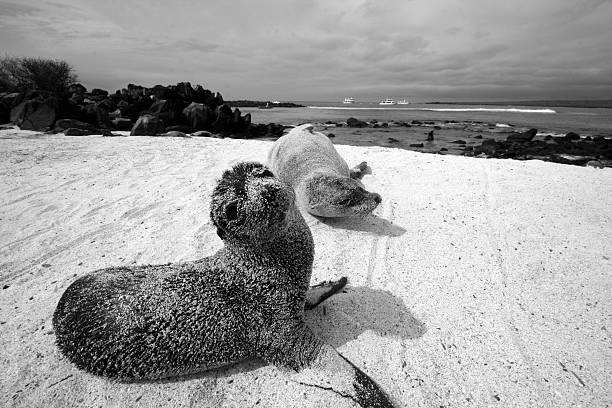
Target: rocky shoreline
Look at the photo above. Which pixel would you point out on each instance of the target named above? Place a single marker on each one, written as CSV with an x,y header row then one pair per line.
x,y
184,111
474,138
174,110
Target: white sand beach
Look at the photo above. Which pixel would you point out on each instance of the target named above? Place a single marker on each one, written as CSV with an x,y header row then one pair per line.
x,y
478,283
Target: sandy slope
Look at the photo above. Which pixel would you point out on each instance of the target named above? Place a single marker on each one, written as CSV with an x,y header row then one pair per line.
x,y
479,283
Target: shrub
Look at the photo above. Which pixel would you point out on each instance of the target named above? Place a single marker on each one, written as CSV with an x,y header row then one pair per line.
x,y
22,73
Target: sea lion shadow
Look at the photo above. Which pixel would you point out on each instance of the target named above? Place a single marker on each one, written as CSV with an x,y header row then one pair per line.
x,y
345,316
337,321
371,223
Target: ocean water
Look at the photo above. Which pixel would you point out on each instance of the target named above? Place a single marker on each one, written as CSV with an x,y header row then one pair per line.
x,y
547,119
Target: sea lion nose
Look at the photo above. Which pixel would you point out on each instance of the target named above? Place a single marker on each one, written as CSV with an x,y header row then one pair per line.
x,y
377,198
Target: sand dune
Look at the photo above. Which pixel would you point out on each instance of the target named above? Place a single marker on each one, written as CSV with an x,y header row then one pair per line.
x,y
477,282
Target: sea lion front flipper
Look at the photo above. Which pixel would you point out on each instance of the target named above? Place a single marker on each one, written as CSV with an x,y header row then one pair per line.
x,y
318,293
359,170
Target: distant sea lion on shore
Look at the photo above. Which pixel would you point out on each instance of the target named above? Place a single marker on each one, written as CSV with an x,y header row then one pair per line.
x,y
323,182
156,321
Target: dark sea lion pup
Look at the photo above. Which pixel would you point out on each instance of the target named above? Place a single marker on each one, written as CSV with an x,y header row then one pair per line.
x,y
155,321
323,183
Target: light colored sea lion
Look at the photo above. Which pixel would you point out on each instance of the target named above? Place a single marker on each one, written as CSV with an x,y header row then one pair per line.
x,y
155,321
323,182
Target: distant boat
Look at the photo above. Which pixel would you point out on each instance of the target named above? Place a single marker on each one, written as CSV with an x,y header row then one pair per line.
x,y
403,102
276,102
266,106
348,100
387,102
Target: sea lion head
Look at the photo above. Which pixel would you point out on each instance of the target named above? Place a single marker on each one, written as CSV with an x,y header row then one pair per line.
x,y
333,196
249,202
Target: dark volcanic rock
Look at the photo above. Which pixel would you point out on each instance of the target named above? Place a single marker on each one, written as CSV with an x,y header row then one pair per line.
x,y
224,119
168,110
430,136
572,136
122,123
175,133
63,124
352,122
80,132
76,88
459,142
179,128
35,114
571,159
201,133
488,147
97,116
595,163
522,137
558,149
147,125
416,145
99,92
198,116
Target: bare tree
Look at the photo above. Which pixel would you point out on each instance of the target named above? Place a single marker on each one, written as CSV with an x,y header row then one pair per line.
x,y
21,73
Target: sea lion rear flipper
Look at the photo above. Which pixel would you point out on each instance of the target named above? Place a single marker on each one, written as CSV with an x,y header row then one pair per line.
x,y
318,293
359,170
330,371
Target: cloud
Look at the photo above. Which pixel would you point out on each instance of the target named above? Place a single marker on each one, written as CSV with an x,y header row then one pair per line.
x,y
317,49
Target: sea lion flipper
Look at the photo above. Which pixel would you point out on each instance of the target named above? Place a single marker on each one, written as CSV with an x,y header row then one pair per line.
x,y
359,170
330,371
318,293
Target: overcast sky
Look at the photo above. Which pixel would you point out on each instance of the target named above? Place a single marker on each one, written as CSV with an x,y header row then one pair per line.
x,y
327,49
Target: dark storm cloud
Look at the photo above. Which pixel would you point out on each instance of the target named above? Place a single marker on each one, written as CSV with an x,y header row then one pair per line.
x,y
296,49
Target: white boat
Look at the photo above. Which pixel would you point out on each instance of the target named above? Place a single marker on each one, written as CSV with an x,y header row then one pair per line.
x,y
387,102
348,100
403,102
276,102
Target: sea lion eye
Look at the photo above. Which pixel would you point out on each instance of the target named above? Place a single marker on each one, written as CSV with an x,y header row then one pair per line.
x,y
231,211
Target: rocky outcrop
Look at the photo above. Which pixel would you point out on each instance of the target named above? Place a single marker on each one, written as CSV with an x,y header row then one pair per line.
x,y
63,124
353,122
566,150
147,125
197,116
180,105
35,114
522,137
